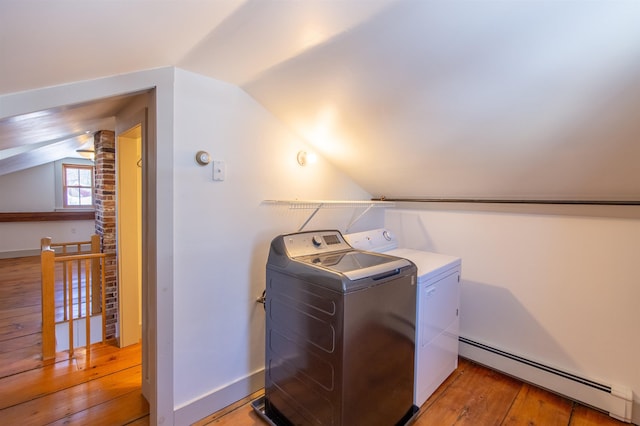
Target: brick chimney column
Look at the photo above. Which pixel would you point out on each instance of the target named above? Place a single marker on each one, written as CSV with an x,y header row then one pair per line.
x,y
105,207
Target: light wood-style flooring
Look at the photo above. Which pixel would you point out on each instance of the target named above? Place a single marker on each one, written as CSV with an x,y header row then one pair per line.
x,y
473,395
102,386
98,386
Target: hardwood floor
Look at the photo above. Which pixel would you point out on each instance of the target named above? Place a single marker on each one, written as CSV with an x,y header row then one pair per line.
x,y
102,386
99,386
473,395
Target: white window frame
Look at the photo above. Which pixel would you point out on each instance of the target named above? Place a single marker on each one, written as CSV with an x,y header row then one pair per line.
x,y
59,182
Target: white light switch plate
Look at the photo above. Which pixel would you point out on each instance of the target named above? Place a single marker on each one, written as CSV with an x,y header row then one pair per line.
x,y
219,170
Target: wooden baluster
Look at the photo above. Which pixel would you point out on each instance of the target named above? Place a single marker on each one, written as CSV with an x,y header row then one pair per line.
x,y
64,287
79,265
69,265
47,267
96,305
87,277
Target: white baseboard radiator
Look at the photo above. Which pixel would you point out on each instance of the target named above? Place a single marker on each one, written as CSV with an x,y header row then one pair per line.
x,y
615,400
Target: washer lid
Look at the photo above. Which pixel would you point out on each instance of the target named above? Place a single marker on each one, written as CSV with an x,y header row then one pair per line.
x,y
356,264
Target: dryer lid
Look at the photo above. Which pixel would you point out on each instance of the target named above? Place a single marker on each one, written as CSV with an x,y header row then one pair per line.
x,y
429,264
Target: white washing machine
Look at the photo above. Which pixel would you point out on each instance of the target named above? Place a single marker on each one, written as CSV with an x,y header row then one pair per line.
x,y
438,308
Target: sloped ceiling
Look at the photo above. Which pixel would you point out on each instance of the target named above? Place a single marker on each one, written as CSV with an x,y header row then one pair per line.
x,y
41,137
415,98
475,99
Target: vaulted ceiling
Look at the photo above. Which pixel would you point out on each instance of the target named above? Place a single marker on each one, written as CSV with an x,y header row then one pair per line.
x,y
442,98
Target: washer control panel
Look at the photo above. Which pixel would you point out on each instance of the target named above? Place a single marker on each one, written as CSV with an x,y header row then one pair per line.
x,y
313,242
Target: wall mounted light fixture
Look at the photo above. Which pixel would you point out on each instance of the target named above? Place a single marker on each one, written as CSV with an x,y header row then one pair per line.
x,y
305,158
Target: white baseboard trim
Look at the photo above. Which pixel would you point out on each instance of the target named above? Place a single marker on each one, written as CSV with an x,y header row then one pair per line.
x,y
218,399
19,253
613,399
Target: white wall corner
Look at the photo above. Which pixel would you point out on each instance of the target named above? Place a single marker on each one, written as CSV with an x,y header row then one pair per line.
x,y
198,409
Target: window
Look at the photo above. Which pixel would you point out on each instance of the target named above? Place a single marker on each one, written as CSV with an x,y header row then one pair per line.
x,y
77,185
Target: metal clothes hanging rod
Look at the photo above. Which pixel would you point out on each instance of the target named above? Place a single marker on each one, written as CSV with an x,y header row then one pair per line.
x,y
316,205
512,201
313,204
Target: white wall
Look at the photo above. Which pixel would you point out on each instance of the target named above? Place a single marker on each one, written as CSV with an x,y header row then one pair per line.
x,y
23,238
223,231
29,190
560,288
34,190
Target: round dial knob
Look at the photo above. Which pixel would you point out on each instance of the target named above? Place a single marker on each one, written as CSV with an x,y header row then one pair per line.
x,y
386,235
316,240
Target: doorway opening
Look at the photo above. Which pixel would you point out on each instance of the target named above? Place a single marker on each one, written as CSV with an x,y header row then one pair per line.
x,y
129,234
145,101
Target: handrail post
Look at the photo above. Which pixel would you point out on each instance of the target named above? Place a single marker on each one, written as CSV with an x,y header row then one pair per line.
x,y
45,243
47,269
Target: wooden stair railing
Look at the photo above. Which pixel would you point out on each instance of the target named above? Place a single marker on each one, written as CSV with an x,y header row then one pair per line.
x,y
93,264
94,247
